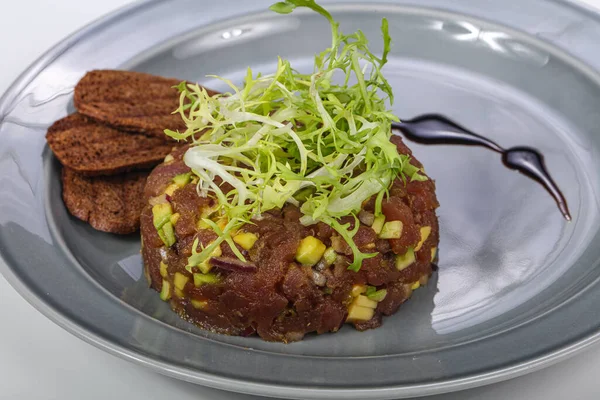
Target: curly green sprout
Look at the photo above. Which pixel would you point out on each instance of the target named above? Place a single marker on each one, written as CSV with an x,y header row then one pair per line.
x,y
288,133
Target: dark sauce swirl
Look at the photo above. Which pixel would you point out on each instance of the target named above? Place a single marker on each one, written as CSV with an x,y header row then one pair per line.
x,y
437,129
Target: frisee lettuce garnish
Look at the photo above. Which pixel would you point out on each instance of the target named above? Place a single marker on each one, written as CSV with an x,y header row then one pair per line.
x,y
297,138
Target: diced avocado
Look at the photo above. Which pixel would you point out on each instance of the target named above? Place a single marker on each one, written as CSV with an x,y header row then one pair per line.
x,y
364,301
202,225
357,313
310,251
206,212
391,230
165,293
358,289
182,179
433,253
378,295
329,256
378,224
205,266
222,222
174,218
180,280
404,261
416,285
217,252
171,189
162,236
199,304
205,279
245,239
425,232
168,234
163,269
161,214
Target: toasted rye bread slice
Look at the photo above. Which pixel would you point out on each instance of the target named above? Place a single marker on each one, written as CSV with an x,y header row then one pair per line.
x,y
108,203
131,101
91,148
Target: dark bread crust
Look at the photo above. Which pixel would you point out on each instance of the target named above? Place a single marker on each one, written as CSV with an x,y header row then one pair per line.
x,y
91,148
132,101
110,204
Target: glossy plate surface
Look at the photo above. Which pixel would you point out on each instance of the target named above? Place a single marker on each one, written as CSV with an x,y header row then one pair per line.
x,y
517,287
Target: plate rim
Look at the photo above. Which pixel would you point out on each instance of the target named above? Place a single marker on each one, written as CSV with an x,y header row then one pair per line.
x,y
234,384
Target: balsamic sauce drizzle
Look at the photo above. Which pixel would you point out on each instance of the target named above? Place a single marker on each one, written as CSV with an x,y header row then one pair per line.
x,y
437,129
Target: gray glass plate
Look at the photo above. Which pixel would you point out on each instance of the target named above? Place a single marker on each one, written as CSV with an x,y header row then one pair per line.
x,y
517,287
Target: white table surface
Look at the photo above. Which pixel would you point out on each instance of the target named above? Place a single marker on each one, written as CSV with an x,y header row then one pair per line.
x,y
39,360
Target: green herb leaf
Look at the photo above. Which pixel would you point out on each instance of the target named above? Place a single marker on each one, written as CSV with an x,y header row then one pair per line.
x,y
387,41
303,139
282,7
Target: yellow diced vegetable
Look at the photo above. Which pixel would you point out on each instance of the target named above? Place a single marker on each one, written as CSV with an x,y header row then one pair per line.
x,y
416,285
406,260
202,225
161,214
180,280
179,293
171,189
174,218
222,222
165,293
245,239
425,232
206,212
364,301
169,158
358,289
205,266
329,256
199,304
182,179
378,295
310,251
205,279
433,253
167,234
408,289
391,230
357,313
163,269
378,224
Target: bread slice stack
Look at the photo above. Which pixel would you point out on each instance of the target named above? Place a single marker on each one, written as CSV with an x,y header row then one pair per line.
x,y
110,145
